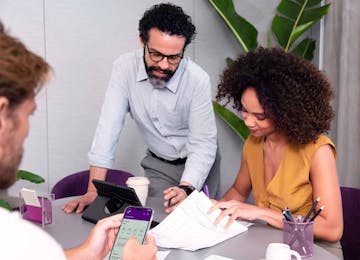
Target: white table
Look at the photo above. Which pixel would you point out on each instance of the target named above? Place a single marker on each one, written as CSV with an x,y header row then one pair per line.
x,y
70,230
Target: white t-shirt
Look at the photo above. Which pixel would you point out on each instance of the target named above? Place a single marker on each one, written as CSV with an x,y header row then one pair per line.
x,y
20,239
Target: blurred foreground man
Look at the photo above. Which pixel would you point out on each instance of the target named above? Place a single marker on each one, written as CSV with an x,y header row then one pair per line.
x,y
22,74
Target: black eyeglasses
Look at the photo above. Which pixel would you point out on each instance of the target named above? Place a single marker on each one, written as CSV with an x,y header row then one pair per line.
x,y
157,57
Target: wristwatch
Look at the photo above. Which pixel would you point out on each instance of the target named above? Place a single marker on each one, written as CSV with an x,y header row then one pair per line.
x,y
187,189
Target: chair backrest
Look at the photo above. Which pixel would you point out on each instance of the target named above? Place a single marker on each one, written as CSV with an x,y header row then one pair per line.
x,y
350,240
77,183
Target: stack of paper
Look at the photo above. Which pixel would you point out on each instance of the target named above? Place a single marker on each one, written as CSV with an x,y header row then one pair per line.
x,y
189,226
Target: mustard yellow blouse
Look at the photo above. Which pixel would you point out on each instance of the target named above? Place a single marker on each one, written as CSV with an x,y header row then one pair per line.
x,y
291,185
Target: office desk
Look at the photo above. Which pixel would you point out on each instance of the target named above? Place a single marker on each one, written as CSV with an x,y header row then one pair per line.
x,y
70,230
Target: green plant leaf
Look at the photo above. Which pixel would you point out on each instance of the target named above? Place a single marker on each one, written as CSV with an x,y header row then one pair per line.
x,y
26,175
305,49
232,120
294,18
5,204
244,31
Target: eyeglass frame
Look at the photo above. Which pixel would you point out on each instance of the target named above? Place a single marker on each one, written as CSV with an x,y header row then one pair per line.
x,y
180,56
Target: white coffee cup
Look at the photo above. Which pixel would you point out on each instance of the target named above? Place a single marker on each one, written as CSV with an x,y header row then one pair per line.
x,y
141,187
280,251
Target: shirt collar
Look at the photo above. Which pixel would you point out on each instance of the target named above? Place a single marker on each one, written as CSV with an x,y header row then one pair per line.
x,y
141,74
173,83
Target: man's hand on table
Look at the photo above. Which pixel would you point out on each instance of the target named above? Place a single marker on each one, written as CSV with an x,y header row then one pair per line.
x,y
80,203
173,196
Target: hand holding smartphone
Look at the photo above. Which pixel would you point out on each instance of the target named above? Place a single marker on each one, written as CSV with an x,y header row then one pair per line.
x,y
135,223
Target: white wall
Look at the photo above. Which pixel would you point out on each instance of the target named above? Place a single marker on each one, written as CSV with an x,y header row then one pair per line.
x,y
81,39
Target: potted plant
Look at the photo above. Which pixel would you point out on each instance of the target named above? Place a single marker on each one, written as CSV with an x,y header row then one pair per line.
x,y
292,19
24,175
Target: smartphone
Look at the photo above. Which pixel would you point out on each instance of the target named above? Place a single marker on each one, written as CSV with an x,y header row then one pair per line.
x,y
135,223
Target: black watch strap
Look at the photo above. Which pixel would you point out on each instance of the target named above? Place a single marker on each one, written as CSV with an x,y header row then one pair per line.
x,y
187,189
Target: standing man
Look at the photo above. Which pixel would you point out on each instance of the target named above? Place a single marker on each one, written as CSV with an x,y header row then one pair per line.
x,y
22,74
169,98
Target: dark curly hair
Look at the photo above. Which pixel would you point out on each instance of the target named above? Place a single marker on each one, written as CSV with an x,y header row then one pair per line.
x,y
291,90
167,18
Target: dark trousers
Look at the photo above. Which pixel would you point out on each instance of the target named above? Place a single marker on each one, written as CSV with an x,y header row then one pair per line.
x,y
163,175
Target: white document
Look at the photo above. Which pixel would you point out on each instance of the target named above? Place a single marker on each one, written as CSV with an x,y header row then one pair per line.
x,y
189,226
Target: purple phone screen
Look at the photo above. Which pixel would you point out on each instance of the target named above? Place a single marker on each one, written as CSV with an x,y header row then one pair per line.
x,y
138,213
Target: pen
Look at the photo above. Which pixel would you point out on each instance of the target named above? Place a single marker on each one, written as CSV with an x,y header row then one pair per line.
x,y
289,214
286,215
317,213
311,209
169,203
206,190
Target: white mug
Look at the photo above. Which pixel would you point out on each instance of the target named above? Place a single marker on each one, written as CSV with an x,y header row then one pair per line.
x,y
280,251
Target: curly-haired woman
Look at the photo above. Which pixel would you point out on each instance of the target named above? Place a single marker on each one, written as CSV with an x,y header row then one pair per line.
x,y
287,161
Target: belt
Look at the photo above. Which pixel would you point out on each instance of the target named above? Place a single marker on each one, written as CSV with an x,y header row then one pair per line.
x,y
173,162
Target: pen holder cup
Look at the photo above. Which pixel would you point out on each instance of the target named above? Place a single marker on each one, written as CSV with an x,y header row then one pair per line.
x,y
42,215
299,236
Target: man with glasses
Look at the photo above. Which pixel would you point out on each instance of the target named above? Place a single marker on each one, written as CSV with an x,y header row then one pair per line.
x,y
169,98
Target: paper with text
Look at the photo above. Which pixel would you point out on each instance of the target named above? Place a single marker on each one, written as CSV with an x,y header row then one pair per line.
x,y
189,226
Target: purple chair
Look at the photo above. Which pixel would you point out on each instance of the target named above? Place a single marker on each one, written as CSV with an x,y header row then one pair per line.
x,y
350,240
77,183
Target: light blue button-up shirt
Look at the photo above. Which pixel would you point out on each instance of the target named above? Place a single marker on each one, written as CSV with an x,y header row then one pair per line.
x,y
175,122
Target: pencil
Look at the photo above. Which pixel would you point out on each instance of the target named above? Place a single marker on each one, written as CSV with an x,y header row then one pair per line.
x,y
311,209
317,213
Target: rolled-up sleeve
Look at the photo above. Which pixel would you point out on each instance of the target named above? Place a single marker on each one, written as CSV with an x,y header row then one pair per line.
x,y
111,120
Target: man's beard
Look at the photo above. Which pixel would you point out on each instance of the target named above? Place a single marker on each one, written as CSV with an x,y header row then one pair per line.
x,y
158,82
8,168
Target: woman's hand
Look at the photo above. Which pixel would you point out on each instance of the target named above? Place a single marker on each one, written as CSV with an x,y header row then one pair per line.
x,y
235,210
